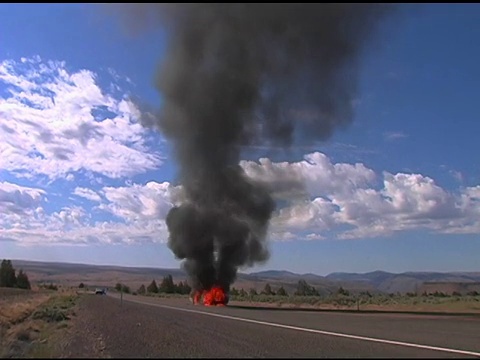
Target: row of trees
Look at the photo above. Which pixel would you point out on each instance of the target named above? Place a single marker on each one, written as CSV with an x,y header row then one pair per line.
x,y
167,286
267,290
8,277
303,289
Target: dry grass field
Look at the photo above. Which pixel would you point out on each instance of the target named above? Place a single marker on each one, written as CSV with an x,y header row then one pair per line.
x,y
376,303
17,304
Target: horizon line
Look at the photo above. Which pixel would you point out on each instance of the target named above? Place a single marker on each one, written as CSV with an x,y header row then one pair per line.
x,y
244,273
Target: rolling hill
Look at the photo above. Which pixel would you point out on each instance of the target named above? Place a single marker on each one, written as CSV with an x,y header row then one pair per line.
x,y
407,281
377,281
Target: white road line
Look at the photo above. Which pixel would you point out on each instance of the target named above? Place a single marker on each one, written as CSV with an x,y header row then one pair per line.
x,y
356,337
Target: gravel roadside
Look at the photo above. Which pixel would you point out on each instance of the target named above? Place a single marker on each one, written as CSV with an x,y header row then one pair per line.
x,y
84,337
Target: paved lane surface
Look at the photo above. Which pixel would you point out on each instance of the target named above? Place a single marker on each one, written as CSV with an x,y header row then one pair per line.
x,y
156,327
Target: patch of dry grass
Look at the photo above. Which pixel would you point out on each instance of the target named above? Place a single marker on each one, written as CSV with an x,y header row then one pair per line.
x,y
450,304
461,306
26,319
17,308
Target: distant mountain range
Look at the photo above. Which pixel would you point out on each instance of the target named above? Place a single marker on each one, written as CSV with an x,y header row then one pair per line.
x,y
380,281
376,281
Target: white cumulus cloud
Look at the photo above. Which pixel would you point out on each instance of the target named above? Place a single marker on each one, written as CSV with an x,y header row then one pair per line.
x,y
141,202
141,211
326,200
87,194
351,201
18,204
56,122
314,176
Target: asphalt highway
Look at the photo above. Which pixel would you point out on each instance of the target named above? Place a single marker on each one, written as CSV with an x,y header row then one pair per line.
x,y
240,331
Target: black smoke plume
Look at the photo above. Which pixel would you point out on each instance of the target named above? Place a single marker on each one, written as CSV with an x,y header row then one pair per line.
x,y
242,74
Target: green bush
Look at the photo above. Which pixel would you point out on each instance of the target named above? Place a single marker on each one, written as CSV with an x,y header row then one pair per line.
x,y
49,286
50,314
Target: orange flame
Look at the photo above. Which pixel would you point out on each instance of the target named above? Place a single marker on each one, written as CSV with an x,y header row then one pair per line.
x,y
213,297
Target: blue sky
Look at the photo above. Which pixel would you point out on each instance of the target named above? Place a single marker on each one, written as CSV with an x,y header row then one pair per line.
x,y
82,181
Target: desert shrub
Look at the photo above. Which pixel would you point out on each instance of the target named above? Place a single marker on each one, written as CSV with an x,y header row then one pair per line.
x,y
234,292
242,293
342,291
50,314
304,299
23,335
344,301
49,286
264,298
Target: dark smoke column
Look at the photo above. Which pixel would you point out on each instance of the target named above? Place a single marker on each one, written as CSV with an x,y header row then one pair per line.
x,y
238,74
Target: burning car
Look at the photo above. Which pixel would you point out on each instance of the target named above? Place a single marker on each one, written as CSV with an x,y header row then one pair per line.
x,y
216,296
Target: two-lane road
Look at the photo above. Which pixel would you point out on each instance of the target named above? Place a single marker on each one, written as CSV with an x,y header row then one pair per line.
x,y
234,331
